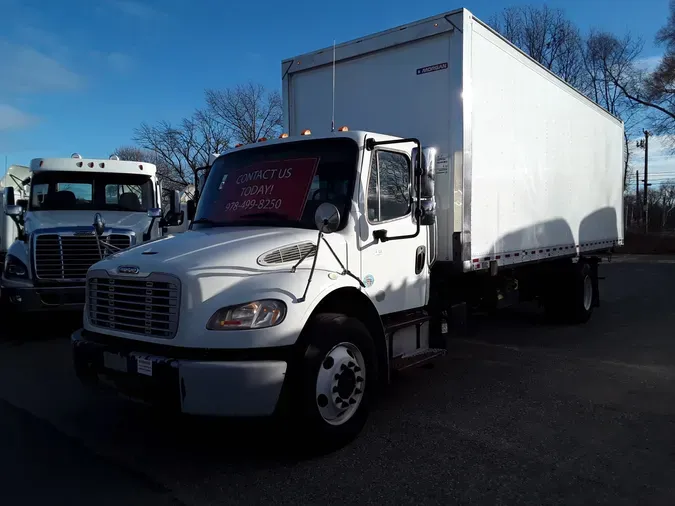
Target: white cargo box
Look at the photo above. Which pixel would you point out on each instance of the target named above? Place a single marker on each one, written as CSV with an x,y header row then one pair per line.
x,y
528,168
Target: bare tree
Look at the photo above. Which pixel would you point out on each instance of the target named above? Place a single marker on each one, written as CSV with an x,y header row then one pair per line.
x,y
609,61
247,112
666,199
547,36
656,90
182,149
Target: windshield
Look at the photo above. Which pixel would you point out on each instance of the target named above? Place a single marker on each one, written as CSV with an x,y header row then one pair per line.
x,y
280,184
57,190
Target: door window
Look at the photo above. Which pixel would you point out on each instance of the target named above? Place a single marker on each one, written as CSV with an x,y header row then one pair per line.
x,y
388,187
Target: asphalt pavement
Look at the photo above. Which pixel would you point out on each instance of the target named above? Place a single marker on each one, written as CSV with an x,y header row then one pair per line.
x,y
519,412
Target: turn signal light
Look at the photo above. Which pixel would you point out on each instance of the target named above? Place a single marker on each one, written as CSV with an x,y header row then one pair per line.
x,y
262,139
343,129
283,136
306,132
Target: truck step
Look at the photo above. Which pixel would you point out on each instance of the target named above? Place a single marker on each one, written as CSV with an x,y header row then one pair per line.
x,y
416,358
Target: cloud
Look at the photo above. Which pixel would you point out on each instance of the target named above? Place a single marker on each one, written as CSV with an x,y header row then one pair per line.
x,y
135,9
12,118
649,63
27,70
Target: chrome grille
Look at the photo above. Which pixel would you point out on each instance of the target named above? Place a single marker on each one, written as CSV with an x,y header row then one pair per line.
x,y
147,306
68,257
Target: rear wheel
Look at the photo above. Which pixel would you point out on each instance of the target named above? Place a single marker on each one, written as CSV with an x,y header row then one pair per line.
x,y
571,294
336,381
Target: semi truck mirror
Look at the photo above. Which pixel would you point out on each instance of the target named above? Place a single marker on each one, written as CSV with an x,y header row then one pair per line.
x,y
174,202
327,218
191,209
428,189
22,203
8,197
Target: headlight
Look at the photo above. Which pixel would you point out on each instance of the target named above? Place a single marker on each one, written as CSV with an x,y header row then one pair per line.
x,y
15,268
253,315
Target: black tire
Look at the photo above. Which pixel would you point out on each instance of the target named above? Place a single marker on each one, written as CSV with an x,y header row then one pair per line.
x,y
323,333
571,296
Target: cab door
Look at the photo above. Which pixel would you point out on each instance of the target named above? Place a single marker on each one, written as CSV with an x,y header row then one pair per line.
x,y
395,271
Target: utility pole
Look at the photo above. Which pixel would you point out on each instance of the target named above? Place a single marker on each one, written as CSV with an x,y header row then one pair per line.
x,y
644,144
637,197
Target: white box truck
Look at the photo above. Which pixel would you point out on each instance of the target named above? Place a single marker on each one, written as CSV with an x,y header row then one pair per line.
x,y
320,262
48,235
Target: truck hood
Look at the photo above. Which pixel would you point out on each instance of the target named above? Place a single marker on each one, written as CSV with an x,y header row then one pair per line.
x,y
134,221
225,251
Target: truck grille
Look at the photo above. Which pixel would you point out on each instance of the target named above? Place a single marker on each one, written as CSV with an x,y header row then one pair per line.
x,y
147,306
68,257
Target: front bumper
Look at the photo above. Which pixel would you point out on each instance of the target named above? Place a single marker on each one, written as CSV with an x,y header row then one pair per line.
x,y
35,298
193,385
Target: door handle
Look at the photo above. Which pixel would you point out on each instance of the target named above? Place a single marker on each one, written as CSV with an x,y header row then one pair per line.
x,y
420,257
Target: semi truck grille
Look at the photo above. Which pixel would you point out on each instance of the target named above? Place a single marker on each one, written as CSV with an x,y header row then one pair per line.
x,y
147,306
69,256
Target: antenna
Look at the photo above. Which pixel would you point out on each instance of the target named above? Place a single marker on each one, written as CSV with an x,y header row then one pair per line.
x,y
332,122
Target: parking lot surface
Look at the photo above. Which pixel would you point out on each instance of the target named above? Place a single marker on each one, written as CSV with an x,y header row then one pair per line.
x,y
519,412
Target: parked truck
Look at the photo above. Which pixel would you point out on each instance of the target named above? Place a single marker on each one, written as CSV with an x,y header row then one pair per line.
x,y
48,234
465,176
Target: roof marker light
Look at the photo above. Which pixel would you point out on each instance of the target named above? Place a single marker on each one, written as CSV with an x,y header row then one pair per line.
x,y
76,155
283,136
102,165
306,132
91,165
79,164
238,145
262,139
343,129
140,167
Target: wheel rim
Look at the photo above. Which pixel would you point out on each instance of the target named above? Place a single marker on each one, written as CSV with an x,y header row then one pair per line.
x,y
588,293
340,383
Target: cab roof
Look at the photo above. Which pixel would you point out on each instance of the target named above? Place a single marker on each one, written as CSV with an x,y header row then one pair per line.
x,y
92,165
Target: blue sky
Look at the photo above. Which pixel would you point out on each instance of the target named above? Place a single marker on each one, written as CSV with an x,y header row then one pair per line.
x,y
79,76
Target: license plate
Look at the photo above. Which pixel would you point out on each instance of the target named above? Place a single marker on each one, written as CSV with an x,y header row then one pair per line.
x,y
144,366
114,361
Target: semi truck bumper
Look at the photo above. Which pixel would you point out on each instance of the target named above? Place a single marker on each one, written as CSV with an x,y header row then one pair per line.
x,y
228,388
31,298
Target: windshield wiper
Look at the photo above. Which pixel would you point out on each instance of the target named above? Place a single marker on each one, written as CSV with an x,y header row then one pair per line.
x,y
266,214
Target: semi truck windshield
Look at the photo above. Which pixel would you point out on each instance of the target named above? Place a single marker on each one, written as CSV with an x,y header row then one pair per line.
x,y
73,191
280,184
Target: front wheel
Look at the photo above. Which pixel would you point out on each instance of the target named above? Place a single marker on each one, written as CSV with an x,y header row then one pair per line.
x,y
338,376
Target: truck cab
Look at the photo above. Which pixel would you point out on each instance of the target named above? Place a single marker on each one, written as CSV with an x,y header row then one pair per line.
x,y
294,242
53,239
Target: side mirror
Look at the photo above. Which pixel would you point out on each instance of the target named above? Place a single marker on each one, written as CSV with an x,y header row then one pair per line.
x,y
191,209
154,212
427,190
99,224
8,197
13,210
327,218
174,202
23,203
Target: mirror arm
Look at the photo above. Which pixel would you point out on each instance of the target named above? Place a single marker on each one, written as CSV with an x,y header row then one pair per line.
x,y
345,271
311,271
148,232
18,220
